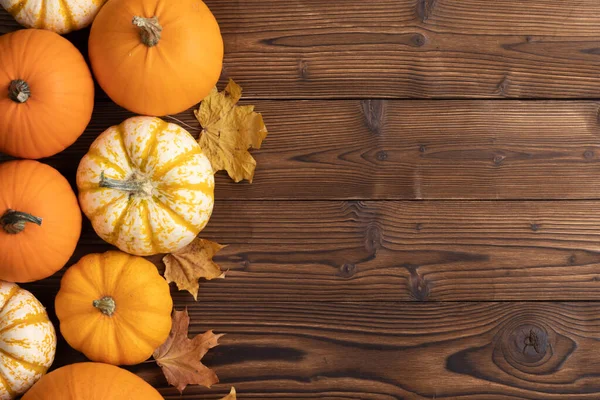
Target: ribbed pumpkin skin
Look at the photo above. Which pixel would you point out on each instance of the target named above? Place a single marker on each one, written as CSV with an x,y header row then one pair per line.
x,y
38,251
60,16
91,381
62,94
27,340
168,78
142,317
178,198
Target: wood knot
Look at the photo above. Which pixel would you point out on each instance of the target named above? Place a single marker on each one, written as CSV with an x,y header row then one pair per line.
x,y
373,238
499,159
503,86
381,155
418,40
525,345
374,112
418,226
528,343
534,227
588,154
347,270
303,72
417,284
422,148
425,9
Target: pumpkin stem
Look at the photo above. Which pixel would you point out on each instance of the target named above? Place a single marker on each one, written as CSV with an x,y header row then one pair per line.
x,y
18,91
150,30
132,185
14,222
106,305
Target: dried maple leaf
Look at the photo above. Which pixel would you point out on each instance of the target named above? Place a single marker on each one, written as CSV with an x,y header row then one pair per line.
x,y
228,131
231,395
194,261
179,357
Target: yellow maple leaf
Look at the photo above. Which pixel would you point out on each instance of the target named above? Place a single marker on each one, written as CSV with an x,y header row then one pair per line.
x,y
231,396
229,131
194,261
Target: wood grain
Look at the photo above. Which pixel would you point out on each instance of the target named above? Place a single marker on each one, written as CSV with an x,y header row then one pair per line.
x,y
409,48
385,351
412,48
398,251
381,149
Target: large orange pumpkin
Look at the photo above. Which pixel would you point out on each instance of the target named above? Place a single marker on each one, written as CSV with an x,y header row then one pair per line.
x,y
115,308
46,93
156,57
91,381
40,221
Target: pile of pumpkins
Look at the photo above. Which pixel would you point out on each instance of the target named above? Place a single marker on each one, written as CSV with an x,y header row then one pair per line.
x,y
145,185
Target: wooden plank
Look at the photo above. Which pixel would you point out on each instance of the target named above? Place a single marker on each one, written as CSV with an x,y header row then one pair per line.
x,y
382,351
399,251
383,149
412,48
409,48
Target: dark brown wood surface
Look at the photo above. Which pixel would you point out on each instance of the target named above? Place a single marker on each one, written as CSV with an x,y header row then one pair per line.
x,y
445,247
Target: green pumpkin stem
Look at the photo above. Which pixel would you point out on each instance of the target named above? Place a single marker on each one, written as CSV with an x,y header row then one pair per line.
x,y
14,222
131,185
150,30
18,91
106,305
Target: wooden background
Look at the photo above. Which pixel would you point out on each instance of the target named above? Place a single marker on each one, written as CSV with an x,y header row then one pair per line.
x,y
425,217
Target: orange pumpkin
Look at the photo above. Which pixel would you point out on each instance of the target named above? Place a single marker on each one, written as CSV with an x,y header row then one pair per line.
x,y
40,221
114,308
91,381
46,93
156,57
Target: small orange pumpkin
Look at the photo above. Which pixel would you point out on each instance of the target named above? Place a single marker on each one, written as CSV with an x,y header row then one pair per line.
x,y
91,381
46,93
114,308
40,221
156,57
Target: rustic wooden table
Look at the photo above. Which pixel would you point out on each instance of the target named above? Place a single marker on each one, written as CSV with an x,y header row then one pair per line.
x,y
423,222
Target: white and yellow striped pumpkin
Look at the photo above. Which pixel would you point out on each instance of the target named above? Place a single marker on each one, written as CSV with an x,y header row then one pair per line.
x,y
27,340
60,16
146,186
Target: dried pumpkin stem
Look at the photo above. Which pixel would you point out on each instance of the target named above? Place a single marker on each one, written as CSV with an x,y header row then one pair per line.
x,y
14,222
106,305
132,185
150,30
18,91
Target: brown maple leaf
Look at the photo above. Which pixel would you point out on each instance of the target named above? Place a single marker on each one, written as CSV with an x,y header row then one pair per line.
x,y
194,261
228,131
179,357
231,396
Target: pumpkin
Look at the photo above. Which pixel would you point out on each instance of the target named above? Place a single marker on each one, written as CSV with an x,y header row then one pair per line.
x,y
40,221
114,308
91,381
156,57
61,16
27,340
146,186
46,93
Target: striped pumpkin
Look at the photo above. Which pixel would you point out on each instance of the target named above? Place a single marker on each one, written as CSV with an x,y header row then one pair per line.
x,y
27,340
146,186
60,16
